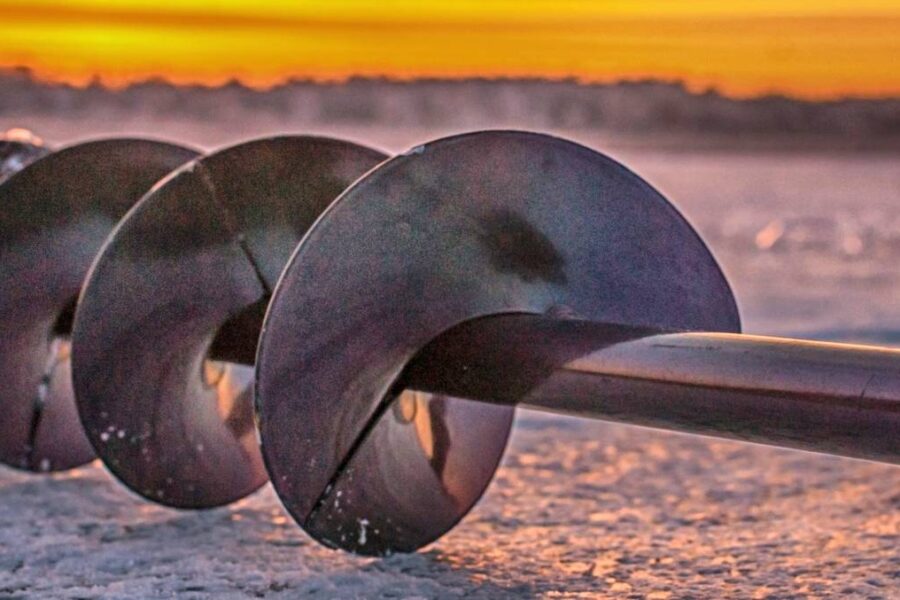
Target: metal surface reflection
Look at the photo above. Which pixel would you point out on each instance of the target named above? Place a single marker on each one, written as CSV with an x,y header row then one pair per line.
x,y
492,222
433,456
18,149
841,399
170,315
54,215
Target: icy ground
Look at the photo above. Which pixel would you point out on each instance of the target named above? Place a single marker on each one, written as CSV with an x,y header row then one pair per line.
x,y
812,246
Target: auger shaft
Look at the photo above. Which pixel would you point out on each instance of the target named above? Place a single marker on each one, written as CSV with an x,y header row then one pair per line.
x,y
838,399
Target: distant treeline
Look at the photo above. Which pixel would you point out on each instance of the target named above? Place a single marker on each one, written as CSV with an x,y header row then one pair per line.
x,y
633,107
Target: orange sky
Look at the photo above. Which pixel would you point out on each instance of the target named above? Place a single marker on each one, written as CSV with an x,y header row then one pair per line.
x,y
821,49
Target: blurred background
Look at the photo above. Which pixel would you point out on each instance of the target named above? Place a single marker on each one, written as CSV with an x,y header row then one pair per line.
x,y
774,125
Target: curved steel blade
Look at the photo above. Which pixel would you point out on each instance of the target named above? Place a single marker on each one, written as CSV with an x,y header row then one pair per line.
x,y
54,215
478,224
185,279
16,154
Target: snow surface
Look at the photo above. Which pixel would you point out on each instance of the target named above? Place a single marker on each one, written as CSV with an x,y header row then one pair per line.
x,y
811,244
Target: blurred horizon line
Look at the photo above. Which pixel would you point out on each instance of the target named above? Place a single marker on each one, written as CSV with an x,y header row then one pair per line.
x,y
827,50
111,85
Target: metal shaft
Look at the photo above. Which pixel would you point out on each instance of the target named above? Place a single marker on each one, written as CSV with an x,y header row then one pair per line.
x,y
839,399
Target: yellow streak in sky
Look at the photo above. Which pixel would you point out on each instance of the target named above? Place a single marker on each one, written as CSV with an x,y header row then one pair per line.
x,y
825,49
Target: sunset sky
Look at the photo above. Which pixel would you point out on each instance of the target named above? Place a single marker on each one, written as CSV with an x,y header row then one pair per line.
x,y
821,49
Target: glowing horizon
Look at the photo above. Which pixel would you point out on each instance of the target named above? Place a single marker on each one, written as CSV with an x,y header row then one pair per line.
x,y
745,48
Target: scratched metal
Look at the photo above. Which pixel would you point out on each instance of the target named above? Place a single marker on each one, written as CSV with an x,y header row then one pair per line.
x,y
166,330
54,216
468,226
